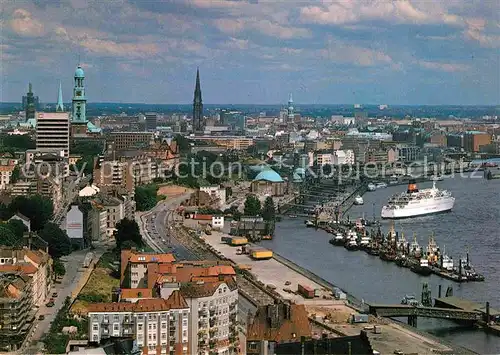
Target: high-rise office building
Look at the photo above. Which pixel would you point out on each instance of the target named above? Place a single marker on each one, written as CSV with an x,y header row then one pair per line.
x,y
30,103
52,132
197,105
151,121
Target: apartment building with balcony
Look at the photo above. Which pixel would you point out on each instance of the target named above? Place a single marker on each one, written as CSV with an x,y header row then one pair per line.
x,y
127,171
159,326
16,310
213,317
140,270
35,264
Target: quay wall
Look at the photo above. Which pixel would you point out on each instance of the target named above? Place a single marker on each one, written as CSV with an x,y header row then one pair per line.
x,y
353,301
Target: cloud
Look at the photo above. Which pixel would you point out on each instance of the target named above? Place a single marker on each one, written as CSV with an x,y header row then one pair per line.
x,y
235,43
349,12
263,26
342,52
446,67
24,24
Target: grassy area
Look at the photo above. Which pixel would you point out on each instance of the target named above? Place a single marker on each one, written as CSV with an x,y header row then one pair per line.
x,y
55,341
98,288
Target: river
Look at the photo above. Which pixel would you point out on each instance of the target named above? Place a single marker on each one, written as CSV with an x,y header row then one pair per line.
x,y
472,225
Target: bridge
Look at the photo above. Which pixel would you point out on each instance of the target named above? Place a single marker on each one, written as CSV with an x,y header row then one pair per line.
x,y
399,310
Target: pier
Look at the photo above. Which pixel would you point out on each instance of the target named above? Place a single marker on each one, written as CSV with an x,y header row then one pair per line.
x,y
412,312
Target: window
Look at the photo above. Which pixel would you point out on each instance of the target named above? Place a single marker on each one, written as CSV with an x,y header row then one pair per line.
x,y
116,327
184,333
139,327
116,318
163,325
184,322
252,346
95,326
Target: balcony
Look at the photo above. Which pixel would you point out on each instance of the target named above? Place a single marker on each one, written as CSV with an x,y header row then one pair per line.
x,y
212,323
232,317
202,312
212,313
212,332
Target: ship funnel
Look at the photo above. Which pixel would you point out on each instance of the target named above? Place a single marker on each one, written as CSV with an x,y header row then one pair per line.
x,y
412,186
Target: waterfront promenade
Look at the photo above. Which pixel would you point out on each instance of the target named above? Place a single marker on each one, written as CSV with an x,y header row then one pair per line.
x,y
276,273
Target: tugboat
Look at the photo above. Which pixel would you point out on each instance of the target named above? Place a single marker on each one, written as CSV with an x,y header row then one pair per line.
x,y
387,255
338,239
365,242
422,268
415,248
351,244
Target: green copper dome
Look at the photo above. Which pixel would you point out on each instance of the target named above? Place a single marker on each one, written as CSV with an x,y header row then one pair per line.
x,y
79,72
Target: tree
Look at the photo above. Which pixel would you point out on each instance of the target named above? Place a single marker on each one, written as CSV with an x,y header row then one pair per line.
x,y
269,211
59,268
17,227
37,208
327,170
252,206
17,142
57,239
146,197
16,173
183,143
127,230
8,238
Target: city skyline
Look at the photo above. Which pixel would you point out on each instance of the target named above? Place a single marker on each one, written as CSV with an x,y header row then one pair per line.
x,y
398,53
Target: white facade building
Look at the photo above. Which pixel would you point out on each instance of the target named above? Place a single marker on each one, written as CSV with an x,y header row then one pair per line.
x,y
343,157
216,192
213,317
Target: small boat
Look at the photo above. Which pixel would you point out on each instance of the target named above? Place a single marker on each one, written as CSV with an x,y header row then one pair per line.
x,y
372,250
358,200
422,268
371,187
309,224
292,216
393,182
267,237
410,300
387,255
437,178
381,185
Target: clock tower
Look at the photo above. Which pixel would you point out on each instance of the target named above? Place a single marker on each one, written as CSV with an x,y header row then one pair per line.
x,y
79,100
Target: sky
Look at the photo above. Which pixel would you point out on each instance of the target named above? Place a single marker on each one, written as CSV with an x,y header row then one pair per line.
x,y
428,52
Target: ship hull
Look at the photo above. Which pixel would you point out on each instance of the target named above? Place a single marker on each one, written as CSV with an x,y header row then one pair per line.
x,y
418,210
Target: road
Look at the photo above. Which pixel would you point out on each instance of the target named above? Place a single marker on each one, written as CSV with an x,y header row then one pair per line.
x,y
157,228
74,273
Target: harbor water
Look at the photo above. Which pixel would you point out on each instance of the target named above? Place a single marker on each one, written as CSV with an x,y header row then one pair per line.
x,y
473,225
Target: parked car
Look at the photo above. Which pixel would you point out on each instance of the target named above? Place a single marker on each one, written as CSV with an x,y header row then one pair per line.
x,y
41,317
54,294
50,304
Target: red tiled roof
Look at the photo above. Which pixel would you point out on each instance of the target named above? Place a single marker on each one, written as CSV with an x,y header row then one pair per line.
x,y
136,293
24,268
290,329
175,301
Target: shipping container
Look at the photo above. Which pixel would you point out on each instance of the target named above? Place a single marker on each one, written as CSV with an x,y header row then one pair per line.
x,y
305,291
237,241
261,254
317,292
359,318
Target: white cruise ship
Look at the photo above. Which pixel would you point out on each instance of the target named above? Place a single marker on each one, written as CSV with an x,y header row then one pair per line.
x,y
413,202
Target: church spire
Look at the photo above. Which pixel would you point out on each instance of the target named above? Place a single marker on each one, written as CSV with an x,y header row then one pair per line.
x,y
60,104
197,105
